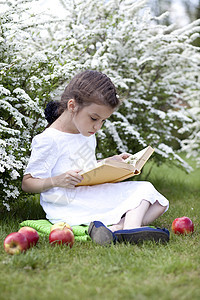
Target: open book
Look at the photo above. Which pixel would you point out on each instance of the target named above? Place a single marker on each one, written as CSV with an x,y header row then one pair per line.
x,y
110,170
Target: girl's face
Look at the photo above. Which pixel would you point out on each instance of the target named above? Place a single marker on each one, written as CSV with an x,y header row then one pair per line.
x,y
89,119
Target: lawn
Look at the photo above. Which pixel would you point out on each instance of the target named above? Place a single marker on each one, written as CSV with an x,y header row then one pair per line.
x,y
88,271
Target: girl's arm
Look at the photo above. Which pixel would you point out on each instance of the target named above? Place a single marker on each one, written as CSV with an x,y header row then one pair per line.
x,y
39,185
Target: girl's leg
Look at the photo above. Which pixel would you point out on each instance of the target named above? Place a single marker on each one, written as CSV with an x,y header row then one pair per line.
x,y
142,215
134,217
118,226
154,211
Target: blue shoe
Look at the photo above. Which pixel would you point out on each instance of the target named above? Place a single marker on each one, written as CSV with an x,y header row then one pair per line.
x,y
134,236
100,234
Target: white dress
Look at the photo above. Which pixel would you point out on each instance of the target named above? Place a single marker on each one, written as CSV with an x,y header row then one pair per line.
x,y
55,152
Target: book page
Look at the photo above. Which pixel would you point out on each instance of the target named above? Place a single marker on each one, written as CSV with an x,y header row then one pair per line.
x,y
138,159
132,159
109,162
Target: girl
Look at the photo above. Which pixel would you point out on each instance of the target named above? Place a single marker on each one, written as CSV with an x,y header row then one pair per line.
x,y
66,147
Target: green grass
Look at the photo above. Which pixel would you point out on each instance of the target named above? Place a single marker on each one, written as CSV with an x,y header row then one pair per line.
x,y
88,271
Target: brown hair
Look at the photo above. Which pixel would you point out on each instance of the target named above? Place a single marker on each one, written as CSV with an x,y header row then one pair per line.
x,y
85,88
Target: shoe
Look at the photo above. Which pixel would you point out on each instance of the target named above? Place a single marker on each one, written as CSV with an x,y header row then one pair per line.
x,y
100,234
134,236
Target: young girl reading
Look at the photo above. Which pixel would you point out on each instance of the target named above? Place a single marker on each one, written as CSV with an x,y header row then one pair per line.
x,y
66,147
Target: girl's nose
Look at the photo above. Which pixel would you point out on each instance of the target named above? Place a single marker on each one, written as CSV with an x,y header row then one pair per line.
x,y
97,126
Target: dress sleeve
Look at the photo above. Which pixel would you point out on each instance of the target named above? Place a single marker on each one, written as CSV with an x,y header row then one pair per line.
x,y
43,157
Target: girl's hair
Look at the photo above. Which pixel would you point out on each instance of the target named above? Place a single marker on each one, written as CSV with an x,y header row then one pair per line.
x,y
85,88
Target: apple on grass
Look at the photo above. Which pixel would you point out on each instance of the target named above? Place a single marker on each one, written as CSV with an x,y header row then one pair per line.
x,y
31,235
15,243
183,225
60,225
61,236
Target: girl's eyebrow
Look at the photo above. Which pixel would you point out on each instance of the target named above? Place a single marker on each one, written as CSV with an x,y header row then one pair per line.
x,y
96,115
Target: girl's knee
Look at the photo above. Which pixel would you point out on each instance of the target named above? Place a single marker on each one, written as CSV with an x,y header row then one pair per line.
x,y
162,207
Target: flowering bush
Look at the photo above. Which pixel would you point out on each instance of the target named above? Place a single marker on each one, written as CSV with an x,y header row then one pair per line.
x,y
191,145
26,80
152,65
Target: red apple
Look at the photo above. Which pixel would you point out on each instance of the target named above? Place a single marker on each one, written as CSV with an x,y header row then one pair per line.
x,y
60,225
15,243
61,236
182,225
31,235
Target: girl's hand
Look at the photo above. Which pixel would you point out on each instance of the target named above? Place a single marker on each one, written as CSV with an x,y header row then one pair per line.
x,y
120,157
68,179
124,155
39,185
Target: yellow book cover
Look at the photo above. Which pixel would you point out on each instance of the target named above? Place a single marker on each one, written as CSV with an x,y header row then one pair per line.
x,y
110,170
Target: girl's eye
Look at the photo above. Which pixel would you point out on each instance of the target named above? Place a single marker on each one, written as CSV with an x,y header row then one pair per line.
x,y
93,119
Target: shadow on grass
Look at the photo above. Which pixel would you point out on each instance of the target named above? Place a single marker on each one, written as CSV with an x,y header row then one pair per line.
x,y
29,208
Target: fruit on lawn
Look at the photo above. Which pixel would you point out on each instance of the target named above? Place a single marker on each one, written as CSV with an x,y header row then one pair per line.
x,y
31,235
182,225
62,236
15,243
60,225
